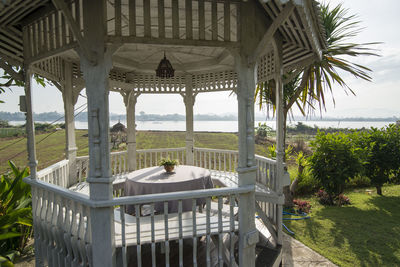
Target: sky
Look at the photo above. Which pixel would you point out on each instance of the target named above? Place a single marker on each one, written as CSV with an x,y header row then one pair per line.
x,y
379,98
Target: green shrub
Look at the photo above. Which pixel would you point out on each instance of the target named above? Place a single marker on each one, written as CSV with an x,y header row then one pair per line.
x,y
307,184
15,214
382,154
263,129
335,160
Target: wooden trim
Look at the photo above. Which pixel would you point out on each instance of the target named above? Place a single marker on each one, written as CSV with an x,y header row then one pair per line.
x,y
60,4
15,75
268,36
167,41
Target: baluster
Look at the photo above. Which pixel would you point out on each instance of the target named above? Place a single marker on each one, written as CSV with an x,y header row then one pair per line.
x,y
208,236
81,235
214,22
232,228
220,236
47,226
161,19
138,245
209,159
153,240
219,162
215,161
53,224
123,249
151,160
230,162
74,234
119,164
189,23
202,32
194,234
145,159
117,10
147,18
227,21
45,34
51,33
88,237
175,19
224,162
166,233
132,17
63,31
180,233
60,233
67,233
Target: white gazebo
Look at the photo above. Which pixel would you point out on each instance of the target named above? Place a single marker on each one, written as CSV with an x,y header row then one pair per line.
x,y
116,45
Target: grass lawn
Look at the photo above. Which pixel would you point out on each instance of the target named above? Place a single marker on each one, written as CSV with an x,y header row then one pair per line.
x,y
366,233
51,147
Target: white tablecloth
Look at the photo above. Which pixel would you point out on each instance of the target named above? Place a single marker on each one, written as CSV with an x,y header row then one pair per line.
x,y
155,180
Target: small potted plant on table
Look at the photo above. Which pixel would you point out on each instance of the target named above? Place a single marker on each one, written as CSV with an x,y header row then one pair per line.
x,y
169,164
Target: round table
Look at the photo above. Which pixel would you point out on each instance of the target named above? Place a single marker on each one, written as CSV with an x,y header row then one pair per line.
x,y
155,180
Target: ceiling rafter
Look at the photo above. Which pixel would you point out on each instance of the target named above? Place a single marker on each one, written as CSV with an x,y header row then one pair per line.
x,y
60,4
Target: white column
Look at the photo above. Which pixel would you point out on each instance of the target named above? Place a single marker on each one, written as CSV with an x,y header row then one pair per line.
x,y
69,104
249,36
248,235
188,99
30,127
280,146
95,73
130,100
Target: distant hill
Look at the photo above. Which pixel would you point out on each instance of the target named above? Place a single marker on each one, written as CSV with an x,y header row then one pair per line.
x,y
53,116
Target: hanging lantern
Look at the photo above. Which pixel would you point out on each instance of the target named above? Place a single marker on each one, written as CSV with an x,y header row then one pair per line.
x,y
165,69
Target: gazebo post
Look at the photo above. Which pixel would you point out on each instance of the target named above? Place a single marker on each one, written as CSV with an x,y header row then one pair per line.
x,y
130,100
96,63
30,126
280,146
188,99
69,104
32,162
248,235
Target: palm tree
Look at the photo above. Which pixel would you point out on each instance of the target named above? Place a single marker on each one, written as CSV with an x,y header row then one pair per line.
x,y
308,86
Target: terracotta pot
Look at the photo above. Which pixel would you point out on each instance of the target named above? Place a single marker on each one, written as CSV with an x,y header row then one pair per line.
x,y
169,168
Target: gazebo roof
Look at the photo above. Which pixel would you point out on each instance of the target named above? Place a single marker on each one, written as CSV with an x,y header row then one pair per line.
x,y
198,39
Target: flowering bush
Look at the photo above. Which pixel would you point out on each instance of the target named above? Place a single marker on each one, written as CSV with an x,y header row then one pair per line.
x,y
302,206
343,200
324,198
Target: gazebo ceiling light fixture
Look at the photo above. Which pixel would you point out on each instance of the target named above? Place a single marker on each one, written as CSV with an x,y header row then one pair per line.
x,y
165,69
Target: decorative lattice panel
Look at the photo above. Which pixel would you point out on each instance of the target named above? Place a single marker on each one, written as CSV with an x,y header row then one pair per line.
x,y
266,67
219,81
152,84
50,68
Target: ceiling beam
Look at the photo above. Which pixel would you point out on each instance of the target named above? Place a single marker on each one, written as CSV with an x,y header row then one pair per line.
x,y
60,4
268,36
7,68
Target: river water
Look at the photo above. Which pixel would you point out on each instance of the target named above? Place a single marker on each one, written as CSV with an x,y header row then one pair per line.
x,y
230,126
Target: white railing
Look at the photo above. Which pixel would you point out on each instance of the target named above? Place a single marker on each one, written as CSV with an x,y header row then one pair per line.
x,y
63,227
150,157
144,158
57,174
266,172
216,159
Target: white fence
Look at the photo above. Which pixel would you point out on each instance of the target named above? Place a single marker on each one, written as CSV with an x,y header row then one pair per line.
x,y
210,225
63,227
57,174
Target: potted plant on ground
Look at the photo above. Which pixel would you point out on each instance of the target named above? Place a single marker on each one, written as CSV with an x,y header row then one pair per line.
x,y
169,164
